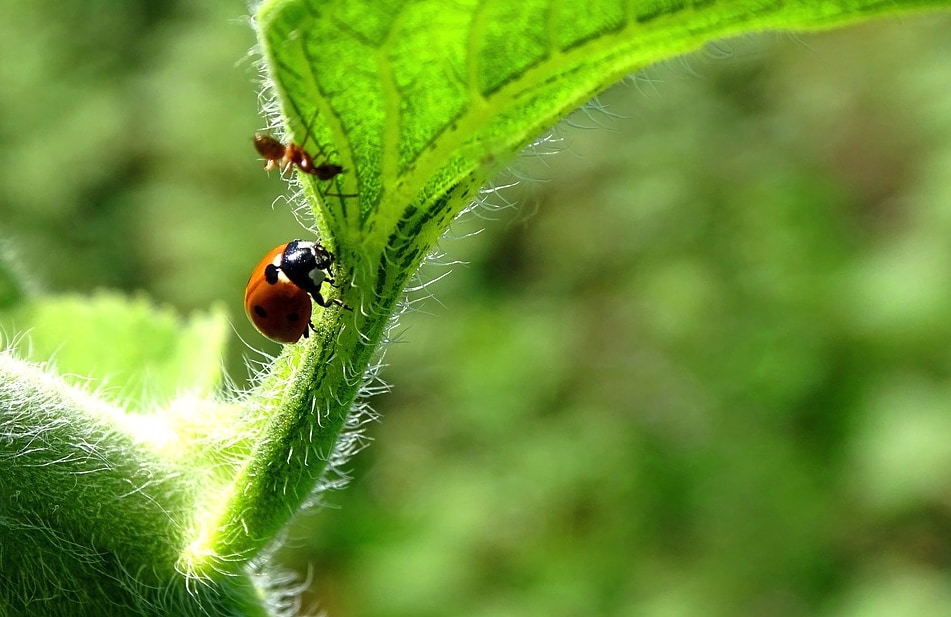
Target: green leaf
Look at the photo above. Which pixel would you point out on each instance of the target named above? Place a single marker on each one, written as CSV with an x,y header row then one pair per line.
x,y
421,103
134,351
92,520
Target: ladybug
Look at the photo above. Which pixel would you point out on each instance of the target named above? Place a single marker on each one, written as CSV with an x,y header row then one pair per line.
x,y
277,154
277,298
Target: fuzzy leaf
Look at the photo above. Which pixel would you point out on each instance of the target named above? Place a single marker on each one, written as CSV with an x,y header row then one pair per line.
x,y
91,520
420,103
133,350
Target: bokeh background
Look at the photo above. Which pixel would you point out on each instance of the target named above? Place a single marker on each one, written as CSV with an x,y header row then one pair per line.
x,y
702,368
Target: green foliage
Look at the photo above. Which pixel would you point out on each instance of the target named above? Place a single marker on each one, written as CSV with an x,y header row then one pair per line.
x,y
159,504
733,434
425,101
143,356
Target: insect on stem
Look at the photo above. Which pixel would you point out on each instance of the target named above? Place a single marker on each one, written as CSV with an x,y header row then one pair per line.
x,y
278,155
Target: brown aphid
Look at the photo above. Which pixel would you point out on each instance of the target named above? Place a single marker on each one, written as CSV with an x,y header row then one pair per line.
x,y
272,150
304,162
284,157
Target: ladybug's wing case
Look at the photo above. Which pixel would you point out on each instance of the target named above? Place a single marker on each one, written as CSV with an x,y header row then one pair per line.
x,y
280,312
278,308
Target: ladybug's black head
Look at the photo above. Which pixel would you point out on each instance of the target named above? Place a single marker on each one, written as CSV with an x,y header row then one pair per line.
x,y
307,265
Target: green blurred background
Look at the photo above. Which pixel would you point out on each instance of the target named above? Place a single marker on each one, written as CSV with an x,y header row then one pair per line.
x,y
703,368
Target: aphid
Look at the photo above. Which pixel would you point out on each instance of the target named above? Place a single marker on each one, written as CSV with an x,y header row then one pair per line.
x,y
277,154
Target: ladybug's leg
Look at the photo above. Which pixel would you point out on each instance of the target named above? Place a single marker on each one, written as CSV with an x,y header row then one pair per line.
x,y
326,303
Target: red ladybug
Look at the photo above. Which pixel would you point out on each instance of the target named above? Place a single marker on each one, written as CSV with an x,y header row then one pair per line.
x,y
277,298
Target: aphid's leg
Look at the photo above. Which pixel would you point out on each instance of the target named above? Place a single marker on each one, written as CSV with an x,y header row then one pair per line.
x,y
324,170
287,162
310,126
